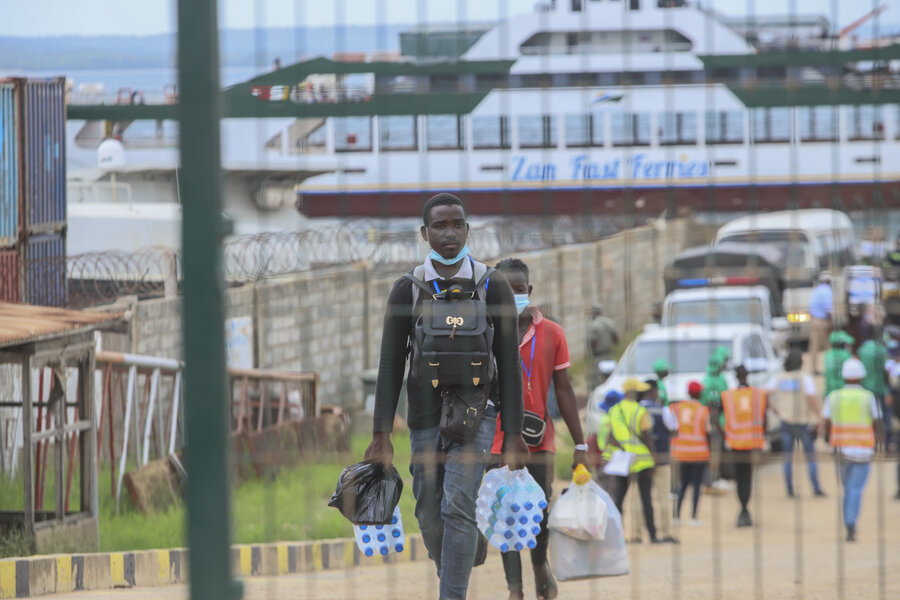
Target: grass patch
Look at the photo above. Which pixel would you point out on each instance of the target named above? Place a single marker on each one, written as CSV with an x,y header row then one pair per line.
x,y
291,507
15,541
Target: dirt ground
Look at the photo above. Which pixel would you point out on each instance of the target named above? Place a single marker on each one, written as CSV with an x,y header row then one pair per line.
x,y
796,550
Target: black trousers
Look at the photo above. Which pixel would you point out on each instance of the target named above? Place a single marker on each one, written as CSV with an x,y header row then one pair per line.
x,y
691,475
743,474
541,468
645,484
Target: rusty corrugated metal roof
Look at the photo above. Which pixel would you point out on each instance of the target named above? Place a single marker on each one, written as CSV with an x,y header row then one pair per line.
x,y
22,323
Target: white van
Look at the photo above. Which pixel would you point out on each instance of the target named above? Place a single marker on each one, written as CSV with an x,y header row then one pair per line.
x,y
809,242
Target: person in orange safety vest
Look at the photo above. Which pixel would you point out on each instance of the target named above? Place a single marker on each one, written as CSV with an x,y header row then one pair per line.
x,y
744,409
690,447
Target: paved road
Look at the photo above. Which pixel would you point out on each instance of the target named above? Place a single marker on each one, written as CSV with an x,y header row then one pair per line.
x,y
796,549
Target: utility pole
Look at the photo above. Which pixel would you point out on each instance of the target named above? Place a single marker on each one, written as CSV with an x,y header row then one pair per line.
x,y
206,416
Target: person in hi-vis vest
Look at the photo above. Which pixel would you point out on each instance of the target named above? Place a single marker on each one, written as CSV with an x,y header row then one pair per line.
x,y
852,426
744,409
690,447
630,426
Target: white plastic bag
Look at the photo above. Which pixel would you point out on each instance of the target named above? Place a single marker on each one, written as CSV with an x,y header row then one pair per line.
x,y
571,558
580,512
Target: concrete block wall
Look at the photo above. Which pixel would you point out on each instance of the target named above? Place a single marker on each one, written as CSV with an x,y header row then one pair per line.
x,y
330,321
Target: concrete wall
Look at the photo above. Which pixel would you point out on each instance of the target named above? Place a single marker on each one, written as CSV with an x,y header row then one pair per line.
x,y
330,320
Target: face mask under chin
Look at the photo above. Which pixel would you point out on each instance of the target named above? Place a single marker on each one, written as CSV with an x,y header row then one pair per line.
x,y
464,252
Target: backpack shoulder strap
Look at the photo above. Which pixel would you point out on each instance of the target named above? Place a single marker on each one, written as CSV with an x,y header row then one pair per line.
x,y
481,274
417,277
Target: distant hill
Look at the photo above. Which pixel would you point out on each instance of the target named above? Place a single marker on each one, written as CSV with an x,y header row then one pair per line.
x,y
240,47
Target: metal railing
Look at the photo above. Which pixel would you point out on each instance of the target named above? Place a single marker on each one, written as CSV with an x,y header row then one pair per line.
x,y
150,388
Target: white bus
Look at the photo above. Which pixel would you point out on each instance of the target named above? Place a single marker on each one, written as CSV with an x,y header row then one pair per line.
x,y
809,242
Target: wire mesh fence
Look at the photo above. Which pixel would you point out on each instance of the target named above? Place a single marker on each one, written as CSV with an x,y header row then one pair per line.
x,y
600,141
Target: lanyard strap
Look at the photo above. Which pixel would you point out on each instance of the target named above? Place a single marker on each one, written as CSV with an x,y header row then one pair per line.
x,y
531,361
436,288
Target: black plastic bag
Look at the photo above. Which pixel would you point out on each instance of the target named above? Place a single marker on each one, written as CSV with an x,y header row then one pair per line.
x,y
367,493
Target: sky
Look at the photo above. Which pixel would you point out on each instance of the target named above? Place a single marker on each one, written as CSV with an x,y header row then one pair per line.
x,y
146,17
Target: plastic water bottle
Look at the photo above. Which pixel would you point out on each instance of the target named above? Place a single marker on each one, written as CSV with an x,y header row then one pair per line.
x,y
381,539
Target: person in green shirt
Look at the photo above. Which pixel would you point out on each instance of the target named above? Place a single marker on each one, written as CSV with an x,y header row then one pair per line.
x,y
834,360
661,368
873,356
715,383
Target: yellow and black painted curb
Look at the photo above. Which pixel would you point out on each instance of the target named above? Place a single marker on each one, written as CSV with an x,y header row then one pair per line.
x,y
42,575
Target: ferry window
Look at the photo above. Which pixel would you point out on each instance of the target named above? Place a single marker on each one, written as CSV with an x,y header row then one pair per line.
x,y
536,131
724,127
315,141
818,124
397,133
583,131
489,81
631,129
490,132
865,123
677,129
444,132
352,134
444,83
771,125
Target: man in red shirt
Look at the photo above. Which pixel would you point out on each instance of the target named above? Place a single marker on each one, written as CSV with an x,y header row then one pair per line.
x,y
545,359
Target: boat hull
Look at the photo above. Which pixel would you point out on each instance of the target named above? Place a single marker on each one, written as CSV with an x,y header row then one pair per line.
x,y
649,200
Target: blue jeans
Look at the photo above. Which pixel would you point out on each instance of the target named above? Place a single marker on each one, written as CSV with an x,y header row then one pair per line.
x,y
446,478
790,432
853,478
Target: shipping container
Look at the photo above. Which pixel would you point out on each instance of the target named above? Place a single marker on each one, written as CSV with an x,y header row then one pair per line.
x,y
45,270
44,155
10,162
10,290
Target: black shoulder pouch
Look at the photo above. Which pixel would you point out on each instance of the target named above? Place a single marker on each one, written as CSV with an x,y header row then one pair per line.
x,y
461,413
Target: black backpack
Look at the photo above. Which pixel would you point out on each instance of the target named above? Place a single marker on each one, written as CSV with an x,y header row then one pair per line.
x,y
452,333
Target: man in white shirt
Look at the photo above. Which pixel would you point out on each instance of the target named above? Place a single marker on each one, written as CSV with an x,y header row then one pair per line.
x,y
853,426
793,398
821,306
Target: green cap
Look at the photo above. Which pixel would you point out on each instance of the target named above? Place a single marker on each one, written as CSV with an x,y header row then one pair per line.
x,y
660,365
838,338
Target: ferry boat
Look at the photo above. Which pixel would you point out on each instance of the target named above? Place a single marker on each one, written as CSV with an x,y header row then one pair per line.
x,y
586,107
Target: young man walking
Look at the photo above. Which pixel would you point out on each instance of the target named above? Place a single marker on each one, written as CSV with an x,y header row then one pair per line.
x,y
448,461
853,425
544,355
744,409
792,397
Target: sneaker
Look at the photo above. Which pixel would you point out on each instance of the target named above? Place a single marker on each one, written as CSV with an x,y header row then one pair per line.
x,y
636,540
790,493
655,540
819,494
695,523
723,485
744,519
669,540
851,533
676,522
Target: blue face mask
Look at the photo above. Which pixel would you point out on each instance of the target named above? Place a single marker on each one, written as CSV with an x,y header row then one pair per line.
x,y
449,261
522,300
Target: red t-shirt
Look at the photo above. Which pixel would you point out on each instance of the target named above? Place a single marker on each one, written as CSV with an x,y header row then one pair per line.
x,y
551,353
